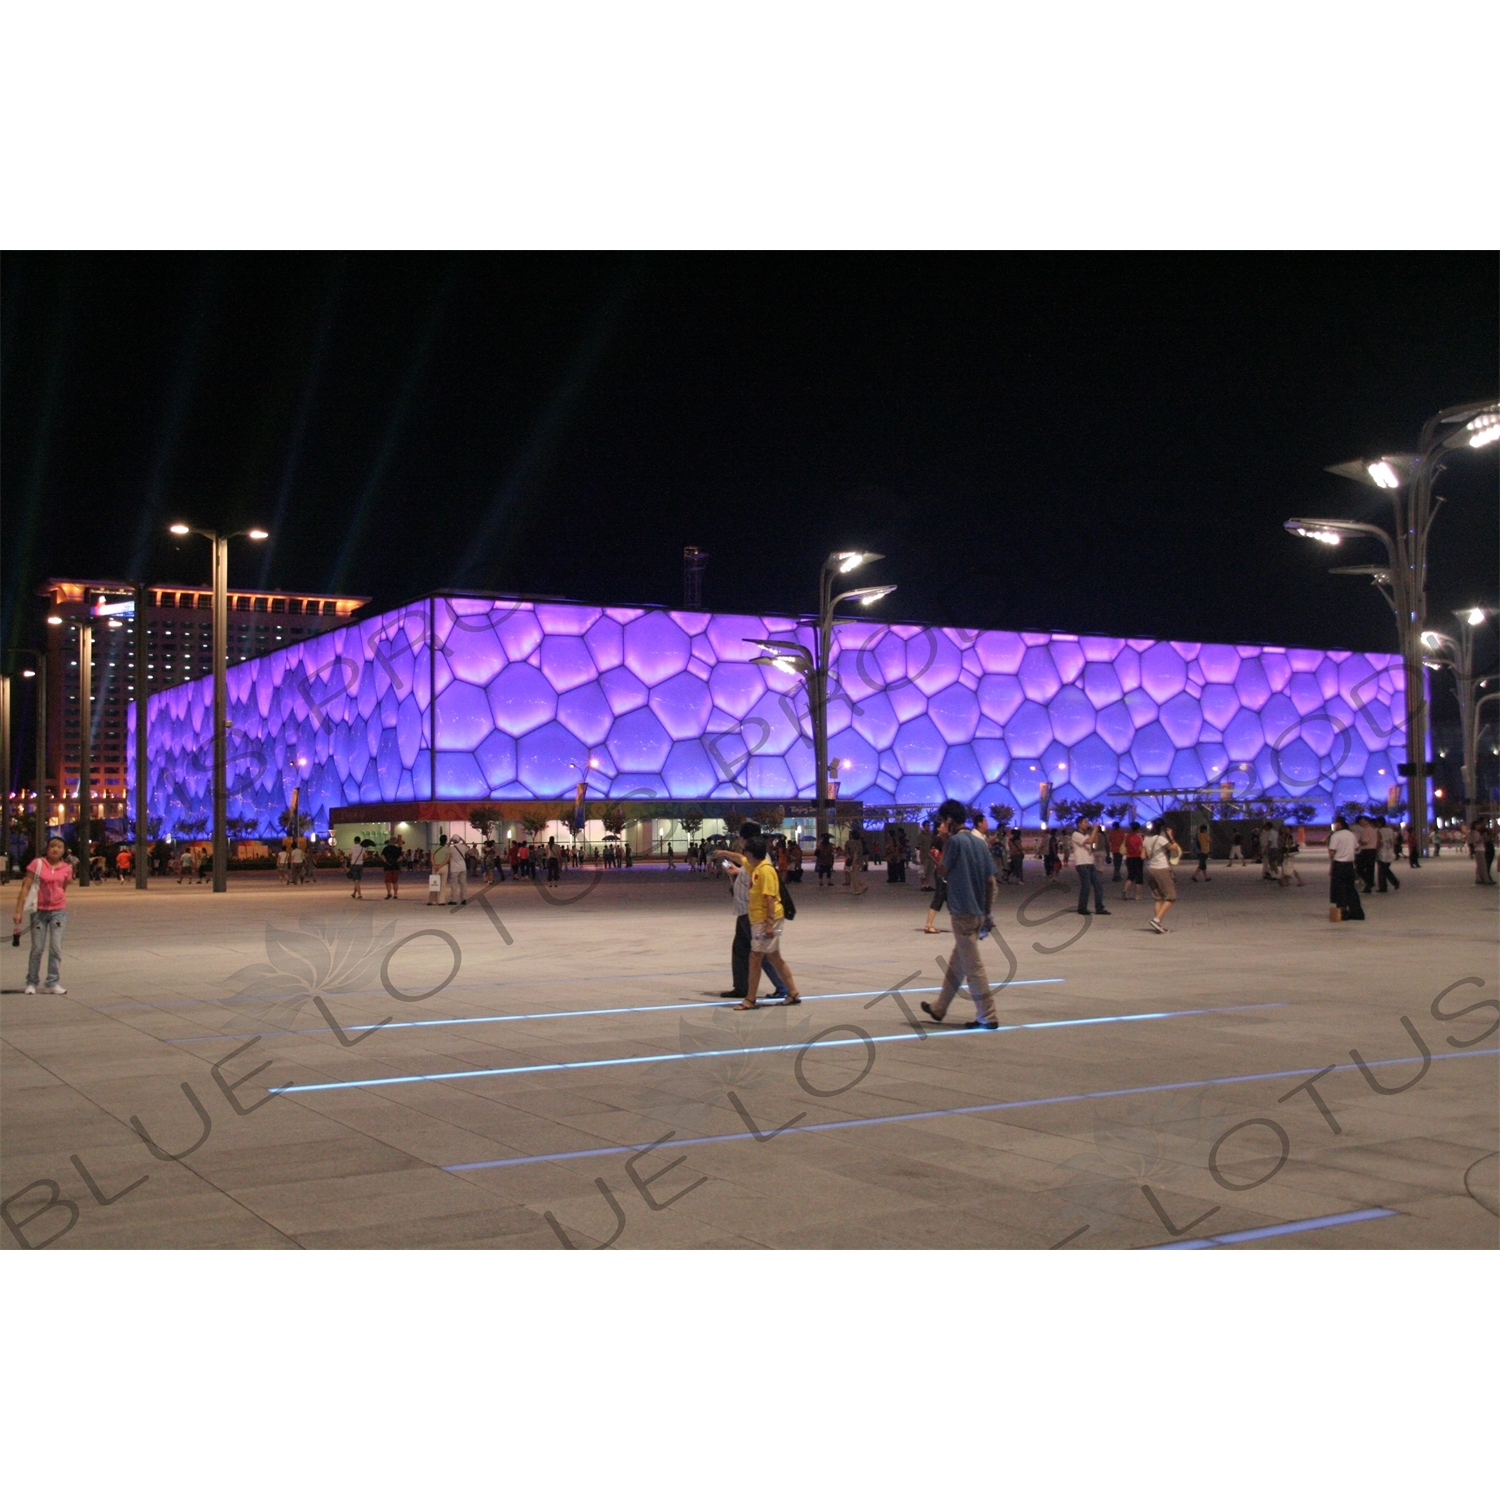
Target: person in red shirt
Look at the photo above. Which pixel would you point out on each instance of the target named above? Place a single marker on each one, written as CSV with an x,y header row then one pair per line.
x,y
1135,852
50,877
122,865
1117,848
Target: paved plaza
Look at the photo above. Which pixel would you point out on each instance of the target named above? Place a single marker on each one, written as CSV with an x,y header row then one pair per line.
x,y
545,1069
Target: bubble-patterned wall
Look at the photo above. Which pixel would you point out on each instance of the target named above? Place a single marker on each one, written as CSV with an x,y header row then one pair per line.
x,y
521,700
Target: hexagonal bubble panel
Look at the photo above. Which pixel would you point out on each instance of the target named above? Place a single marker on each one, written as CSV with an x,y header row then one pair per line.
x,y
858,762
1101,684
586,713
458,775
1163,672
933,661
639,742
1182,719
1038,675
955,711
960,773
549,684
496,757
1029,730
689,771
1072,715
919,747
550,761
567,662
1068,658
606,642
1094,766
1219,663
736,687
656,648
624,690
1000,697
683,705
1219,704
463,717
1000,651
520,699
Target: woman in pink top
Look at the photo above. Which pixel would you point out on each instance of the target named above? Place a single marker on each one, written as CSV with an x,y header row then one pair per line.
x,y
50,876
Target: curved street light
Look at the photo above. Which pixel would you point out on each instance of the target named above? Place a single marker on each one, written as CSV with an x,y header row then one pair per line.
x,y
1458,656
1408,479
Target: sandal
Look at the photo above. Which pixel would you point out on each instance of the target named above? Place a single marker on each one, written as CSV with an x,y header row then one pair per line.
x,y
792,1000
746,1005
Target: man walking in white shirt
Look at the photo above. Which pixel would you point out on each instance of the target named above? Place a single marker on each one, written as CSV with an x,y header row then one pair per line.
x,y
1343,889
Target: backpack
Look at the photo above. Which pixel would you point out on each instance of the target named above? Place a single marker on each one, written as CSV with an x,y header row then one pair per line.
x,y
788,906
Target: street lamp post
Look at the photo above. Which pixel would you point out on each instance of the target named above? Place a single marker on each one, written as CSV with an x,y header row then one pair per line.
x,y
38,674
1458,656
220,546
5,761
815,668
1408,478
84,831
142,838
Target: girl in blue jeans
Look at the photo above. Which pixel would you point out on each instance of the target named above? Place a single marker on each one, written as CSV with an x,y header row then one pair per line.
x,y
50,876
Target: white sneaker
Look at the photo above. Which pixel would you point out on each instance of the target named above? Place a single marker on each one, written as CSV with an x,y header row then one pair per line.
x,y
54,989
31,989
1156,926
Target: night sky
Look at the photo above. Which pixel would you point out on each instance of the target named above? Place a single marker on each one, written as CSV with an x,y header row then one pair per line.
x,y
1091,443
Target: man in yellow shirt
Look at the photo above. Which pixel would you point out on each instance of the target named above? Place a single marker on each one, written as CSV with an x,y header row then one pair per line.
x,y
767,918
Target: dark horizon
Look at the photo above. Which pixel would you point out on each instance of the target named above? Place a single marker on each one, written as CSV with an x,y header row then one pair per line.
x,y
1097,444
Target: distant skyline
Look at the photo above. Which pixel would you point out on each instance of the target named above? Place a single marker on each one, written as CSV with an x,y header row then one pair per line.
x,y
1086,443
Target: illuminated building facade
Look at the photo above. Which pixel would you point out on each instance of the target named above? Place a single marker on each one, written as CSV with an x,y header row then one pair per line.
x,y
423,711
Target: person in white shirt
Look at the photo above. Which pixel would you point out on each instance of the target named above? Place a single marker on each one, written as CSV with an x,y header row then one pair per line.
x,y
1158,848
1343,889
1083,841
1385,855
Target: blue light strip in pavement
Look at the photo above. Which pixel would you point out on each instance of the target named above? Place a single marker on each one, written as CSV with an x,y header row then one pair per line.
x,y
964,1109
1273,1231
854,1041
557,1015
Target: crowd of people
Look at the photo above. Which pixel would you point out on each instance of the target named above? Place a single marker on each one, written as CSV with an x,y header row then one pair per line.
x,y
961,862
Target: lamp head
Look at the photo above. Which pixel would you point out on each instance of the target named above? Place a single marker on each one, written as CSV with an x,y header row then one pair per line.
x,y
847,562
256,534
1314,531
1388,472
179,529
1484,429
28,672
870,595
54,619
1475,616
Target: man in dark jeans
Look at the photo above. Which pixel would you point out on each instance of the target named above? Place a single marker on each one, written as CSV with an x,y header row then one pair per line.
x,y
739,954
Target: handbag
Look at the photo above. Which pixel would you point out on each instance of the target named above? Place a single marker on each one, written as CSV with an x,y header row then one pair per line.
x,y
434,882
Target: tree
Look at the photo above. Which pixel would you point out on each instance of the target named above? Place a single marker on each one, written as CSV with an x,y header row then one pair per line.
x,y
614,817
1304,812
1118,811
1001,813
691,825
1091,810
1064,811
483,818
1351,810
771,817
